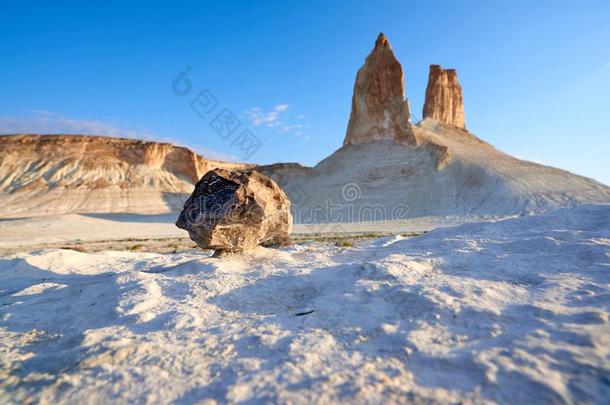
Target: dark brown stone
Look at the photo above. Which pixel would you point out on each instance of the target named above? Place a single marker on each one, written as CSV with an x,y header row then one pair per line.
x,y
232,211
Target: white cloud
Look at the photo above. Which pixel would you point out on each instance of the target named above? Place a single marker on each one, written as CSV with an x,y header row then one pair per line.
x,y
277,118
45,122
292,127
270,119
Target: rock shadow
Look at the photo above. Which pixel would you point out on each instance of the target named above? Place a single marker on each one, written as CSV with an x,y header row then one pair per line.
x,y
50,314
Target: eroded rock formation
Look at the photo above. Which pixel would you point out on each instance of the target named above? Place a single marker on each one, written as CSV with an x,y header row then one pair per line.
x,y
379,110
444,101
233,211
57,174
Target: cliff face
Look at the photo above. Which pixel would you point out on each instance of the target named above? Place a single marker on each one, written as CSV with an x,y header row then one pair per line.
x,y
41,174
379,110
444,100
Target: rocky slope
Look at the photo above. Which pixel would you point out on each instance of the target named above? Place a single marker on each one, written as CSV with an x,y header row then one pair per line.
x,y
55,174
391,171
450,172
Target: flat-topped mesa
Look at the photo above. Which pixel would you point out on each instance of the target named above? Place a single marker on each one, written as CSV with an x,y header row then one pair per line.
x,y
379,110
444,100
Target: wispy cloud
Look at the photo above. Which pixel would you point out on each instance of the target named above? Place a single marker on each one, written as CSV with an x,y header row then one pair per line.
x,y
46,122
270,119
296,128
278,119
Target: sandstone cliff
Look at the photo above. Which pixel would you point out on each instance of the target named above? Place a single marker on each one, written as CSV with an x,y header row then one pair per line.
x,y
444,100
379,110
43,174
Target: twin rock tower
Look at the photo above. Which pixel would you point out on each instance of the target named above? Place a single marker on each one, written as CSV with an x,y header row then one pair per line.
x,y
379,109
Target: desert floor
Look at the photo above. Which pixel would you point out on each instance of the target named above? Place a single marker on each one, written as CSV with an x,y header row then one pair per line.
x,y
512,311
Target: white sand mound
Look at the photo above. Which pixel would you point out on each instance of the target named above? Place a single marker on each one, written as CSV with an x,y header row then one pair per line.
x,y
450,172
513,311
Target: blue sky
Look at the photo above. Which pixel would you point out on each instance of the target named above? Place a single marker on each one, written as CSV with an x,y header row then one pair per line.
x,y
536,74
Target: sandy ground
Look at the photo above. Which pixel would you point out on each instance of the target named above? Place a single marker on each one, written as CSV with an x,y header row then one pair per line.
x,y
514,311
130,229
86,228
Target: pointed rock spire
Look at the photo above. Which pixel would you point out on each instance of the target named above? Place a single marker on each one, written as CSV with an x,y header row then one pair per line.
x,y
444,101
382,41
379,110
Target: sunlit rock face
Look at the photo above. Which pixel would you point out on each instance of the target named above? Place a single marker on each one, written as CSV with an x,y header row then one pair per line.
x,y
63,174
232,211
379,109
444,100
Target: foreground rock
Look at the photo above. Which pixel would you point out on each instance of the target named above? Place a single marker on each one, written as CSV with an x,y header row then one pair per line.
x,y
379,110
444,100
233,211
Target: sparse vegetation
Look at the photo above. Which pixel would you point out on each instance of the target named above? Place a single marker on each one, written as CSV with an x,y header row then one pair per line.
x,y
178,245
76,248
345,243
278,241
